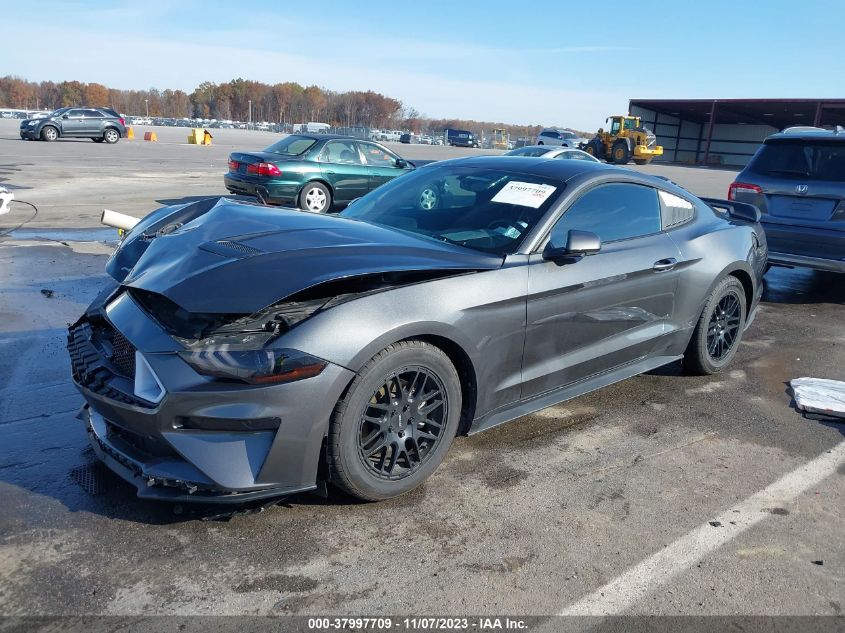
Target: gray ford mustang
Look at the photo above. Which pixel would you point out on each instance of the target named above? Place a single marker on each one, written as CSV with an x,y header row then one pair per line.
x,y
246,352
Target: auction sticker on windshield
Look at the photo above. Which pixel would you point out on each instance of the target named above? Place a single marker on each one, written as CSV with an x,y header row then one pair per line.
x,y
526,194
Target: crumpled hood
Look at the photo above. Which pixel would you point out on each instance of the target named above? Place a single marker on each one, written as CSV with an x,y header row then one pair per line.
x,y
236,258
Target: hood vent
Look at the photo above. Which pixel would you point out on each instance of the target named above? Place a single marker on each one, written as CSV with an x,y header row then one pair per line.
x,y
231,249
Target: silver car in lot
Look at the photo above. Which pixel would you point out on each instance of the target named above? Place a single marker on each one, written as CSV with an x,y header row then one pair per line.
x,y
797,179
545,151
563,138
245,352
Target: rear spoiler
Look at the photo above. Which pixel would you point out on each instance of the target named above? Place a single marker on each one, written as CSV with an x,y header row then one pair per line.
x,y
735,210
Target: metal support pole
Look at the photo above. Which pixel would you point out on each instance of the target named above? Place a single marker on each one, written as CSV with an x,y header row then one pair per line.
x,y
710,132
677,138
818,118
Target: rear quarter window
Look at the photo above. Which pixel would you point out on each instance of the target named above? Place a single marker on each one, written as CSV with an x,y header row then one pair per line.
x,y
674,210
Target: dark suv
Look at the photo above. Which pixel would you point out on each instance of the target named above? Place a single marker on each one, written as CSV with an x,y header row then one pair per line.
x,y
98,124
797,180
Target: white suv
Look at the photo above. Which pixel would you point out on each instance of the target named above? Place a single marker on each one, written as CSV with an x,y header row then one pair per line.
x,y
564,138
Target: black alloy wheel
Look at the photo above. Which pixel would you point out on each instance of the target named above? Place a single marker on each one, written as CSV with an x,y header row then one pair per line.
x,y
723,328
396,421
717,334
403,423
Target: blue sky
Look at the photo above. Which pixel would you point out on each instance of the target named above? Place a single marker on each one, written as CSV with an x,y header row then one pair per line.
x,y
544,62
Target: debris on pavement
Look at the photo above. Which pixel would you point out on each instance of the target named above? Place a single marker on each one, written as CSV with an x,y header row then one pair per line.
x,y
47,292
819,395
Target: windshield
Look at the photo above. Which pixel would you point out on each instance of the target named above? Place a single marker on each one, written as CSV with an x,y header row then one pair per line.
x,y
292,145
810,160
58,112
485,209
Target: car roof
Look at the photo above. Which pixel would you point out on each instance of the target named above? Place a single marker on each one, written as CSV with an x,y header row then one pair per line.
x,y
560,169
324,137
564,170
808,135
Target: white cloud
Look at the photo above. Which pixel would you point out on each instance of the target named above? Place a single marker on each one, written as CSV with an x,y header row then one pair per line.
x,y
440,80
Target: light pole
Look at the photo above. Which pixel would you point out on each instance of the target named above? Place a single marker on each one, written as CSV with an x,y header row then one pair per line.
x,y
250,114
147,104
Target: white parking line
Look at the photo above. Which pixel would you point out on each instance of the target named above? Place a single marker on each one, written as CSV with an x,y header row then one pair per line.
x,y
620,594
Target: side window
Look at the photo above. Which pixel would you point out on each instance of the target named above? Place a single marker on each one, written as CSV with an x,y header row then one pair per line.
x,y
616,211
342,152
615,126
93,114
573,156
76,114
547,134
377,157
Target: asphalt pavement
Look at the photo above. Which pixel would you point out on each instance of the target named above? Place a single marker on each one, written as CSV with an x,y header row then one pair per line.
x,y
665,494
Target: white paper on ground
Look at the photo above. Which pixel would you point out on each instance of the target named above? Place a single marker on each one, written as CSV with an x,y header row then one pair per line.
x,y
819,395
526,194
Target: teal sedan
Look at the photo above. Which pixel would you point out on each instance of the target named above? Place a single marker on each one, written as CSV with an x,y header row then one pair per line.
x,y
314,172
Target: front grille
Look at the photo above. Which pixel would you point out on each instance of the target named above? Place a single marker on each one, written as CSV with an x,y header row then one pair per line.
x,y
103,361
123,354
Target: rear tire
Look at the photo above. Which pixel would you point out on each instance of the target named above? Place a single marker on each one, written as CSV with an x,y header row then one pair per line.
x,y
717,334
619,153
541,143
111,136
388,434
49,133
315,197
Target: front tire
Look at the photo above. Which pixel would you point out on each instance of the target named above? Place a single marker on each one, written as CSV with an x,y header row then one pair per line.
x,y
315,197
718,332
396,422
620,154
595,148
49,133
111,136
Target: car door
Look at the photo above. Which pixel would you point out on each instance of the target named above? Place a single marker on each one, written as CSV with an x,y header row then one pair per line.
x,y
607,309
74,124
92,123
381,164
343,169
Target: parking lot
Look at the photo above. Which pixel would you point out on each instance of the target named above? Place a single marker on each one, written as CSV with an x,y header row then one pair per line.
x,y
574,509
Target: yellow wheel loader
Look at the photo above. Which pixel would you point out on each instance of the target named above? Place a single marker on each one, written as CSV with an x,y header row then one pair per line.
x,y
625,140
499,139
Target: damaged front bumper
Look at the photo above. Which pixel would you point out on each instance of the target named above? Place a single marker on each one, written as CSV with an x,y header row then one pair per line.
x,y
165,480
180,436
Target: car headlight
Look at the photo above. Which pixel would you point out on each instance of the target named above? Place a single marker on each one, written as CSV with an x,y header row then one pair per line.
x,y
32,123
257,367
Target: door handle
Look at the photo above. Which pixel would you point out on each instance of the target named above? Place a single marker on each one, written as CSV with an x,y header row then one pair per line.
x,y
662,265
331,173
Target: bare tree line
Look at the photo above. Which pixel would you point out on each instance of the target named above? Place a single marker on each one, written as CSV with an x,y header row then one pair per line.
x,y
242,100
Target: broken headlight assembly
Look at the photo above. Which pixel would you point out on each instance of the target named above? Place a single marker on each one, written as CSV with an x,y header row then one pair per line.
x,y
256,367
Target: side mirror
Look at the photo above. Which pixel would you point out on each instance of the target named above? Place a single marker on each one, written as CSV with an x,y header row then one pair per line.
x,y
65,116
578,244
401,163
